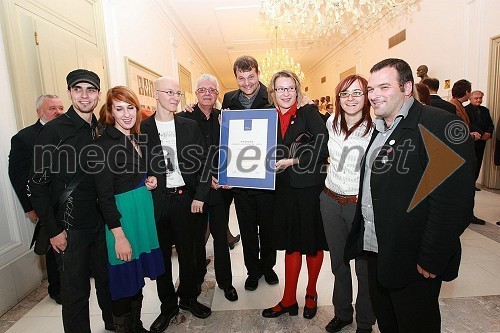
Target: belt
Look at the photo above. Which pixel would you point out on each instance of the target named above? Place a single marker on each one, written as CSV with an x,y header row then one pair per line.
x,y
176,190
341,199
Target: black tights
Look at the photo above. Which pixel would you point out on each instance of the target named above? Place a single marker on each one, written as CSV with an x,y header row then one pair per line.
x,y
122,306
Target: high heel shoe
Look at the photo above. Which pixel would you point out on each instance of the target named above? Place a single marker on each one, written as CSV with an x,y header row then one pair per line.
x,y
309,313
292,310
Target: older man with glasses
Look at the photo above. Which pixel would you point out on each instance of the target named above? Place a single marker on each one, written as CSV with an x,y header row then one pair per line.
x,y
207,117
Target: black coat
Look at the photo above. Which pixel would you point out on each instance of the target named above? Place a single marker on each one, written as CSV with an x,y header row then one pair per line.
x,y
312,156
119,169
428,234
232,102
191,155
20,158
438,102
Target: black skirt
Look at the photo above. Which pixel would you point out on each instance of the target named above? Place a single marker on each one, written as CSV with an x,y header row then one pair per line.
x,y
297,224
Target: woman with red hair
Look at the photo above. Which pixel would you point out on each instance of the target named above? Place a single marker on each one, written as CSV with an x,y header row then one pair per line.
x,y
123,189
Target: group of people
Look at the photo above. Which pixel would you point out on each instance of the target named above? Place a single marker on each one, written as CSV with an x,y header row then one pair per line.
x,y
476,116
116,199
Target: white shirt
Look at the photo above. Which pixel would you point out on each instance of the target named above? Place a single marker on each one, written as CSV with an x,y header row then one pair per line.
x,y
345,158
166,131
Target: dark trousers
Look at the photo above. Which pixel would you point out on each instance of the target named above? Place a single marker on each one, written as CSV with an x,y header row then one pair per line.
x,y
222,260
255,213
86,252
54,288
177,225
337,222
413,308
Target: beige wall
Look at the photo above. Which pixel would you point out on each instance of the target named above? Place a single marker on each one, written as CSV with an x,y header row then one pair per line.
x,y
451,37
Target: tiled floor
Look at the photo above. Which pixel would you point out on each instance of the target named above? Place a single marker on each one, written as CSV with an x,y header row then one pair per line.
x,y
471,303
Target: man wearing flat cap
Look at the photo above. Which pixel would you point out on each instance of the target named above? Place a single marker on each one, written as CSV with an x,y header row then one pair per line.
x,y
62,194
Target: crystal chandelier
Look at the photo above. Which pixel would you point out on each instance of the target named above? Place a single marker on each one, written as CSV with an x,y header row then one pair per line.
x,y
319,18
276,60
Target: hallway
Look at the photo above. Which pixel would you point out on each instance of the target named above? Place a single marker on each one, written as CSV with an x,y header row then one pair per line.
x,y
471,303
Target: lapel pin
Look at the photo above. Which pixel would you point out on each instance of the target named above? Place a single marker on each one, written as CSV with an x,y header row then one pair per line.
x,y
392,142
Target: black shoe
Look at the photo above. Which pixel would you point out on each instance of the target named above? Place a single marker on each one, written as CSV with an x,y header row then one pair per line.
x,y
363,330
161,322
56,298
196,308
309,313
271,278
292,310
477,189
337,324
476,220
235,241
230,293
251,283
110,327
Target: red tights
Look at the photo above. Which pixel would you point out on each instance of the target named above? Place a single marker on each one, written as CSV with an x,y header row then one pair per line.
x,y
293,263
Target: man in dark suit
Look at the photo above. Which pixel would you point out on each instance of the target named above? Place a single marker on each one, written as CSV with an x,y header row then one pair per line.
x,y
481,122
176,155
436,100
63,195
21,155
254,208
207,117
412,245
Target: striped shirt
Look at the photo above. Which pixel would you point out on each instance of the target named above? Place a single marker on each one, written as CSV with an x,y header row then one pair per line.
x,y
345,158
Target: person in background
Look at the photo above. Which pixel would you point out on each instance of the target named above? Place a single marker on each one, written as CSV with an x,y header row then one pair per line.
x,y
179,200
254,208
63,195
480,122
48,107
349,131
412,245
460,92
297,226
123,189
207,117
436,100
322,105
329,109
422,94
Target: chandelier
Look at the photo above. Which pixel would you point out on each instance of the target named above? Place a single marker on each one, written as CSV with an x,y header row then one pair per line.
x,y
319,18
277,60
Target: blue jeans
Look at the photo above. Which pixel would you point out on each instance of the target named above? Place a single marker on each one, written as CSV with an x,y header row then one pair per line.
x,y
85,254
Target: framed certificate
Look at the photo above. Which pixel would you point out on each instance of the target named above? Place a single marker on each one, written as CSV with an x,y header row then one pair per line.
x,y
247,148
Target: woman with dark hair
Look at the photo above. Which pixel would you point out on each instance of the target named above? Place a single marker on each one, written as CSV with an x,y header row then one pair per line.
x,y
297,227
123,189
349,131
422,93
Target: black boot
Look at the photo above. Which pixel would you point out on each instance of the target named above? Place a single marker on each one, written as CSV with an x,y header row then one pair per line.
x,y
122,324
136,323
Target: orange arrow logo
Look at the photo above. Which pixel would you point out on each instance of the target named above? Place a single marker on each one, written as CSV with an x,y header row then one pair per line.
x,y
443,162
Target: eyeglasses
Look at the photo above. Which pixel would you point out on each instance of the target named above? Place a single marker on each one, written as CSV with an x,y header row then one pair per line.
x,y
355,93
172,93
211,91
283,89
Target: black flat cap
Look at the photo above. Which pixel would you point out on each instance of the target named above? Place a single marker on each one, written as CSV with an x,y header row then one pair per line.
x,y
83,75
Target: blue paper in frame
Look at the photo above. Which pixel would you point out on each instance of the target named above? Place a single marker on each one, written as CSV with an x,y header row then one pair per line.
x,y
248,141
